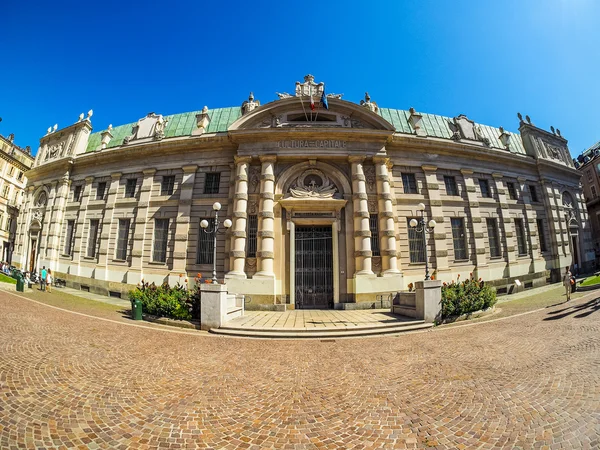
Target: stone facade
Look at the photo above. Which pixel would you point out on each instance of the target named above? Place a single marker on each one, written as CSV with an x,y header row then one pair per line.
x,y
588,163
320,201
14,162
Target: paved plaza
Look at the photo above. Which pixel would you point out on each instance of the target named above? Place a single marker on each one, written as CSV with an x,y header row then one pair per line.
x,y
94,379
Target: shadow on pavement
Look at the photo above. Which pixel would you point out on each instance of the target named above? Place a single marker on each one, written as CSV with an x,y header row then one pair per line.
x,y
584,309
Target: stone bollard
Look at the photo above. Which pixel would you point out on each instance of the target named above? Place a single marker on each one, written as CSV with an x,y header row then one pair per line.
x,y
428,298
213,306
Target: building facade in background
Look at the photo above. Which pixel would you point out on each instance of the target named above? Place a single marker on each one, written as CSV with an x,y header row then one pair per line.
x,y
320,191
588,163
14,162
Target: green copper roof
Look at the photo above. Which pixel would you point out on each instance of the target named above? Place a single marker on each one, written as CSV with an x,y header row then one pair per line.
x,y
221,119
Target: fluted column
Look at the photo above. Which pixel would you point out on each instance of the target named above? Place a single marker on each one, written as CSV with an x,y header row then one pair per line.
x,y
237,253
387,224
140,223
362,233
182,223
266,233
107,220
79,253
57,213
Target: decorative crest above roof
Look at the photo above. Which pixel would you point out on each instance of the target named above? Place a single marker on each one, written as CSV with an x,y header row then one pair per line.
x,y
308,88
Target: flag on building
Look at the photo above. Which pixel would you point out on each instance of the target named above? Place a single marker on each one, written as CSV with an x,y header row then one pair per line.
x,y
324,99
312,102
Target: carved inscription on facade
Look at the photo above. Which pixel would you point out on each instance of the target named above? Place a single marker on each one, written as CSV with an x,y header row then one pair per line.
x,y
328,143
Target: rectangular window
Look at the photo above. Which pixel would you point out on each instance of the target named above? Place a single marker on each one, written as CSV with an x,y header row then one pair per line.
x,y
451,188
533,192
6,191
77,193
20,176
122,239
130,187
542,235
1,220
374,228
594,193
205,244
410,183
93,238
512,191
161,233
252,233
211,183
492,230
8,223
459,238
589,175
520,230
11,171
100,190
69,237
416,243
484,186
167,185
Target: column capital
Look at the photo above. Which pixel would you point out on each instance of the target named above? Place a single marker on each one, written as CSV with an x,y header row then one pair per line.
x,y
190,169
116,175
381,160
427,168
268,158
242,159
356,159
151,171
466,171
89,179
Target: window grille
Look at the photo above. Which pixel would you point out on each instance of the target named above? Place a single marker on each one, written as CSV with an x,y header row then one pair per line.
x,y
459,238
410,183
416,243
484,186
542,235
205,244
533,192
211,183
161,232
512,191
130,187
492,229
521,244
252,233
100,190
451,188
122,239
167,185
374,228
69,237
93,238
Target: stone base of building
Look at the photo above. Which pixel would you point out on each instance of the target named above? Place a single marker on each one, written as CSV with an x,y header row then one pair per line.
x,y
100,287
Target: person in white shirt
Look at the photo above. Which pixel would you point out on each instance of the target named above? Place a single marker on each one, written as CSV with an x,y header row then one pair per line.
x,y
567,282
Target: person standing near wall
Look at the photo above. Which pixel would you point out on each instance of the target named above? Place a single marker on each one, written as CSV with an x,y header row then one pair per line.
x,y
567,278
43,276
49,281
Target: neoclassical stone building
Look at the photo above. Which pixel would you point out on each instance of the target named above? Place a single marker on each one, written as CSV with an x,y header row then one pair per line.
x,y
320,201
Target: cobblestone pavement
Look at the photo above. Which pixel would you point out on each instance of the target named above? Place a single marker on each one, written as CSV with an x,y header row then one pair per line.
x,y
67,380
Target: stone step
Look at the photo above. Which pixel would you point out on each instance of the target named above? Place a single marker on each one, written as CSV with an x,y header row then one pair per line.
x,y
328,329
235,312
327,333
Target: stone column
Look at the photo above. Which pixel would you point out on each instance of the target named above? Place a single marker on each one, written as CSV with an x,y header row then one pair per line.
x,y
182,223
440,240
237,260
102,268
292,256
80,251
140,223
528,218
22,239
266,225
362,233
57,213
476,223
387,224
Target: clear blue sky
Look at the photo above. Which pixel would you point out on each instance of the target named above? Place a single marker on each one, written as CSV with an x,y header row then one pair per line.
x,y
123,59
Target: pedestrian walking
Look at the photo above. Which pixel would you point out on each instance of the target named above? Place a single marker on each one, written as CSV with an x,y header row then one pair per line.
x,y
43,276
567,281
49,281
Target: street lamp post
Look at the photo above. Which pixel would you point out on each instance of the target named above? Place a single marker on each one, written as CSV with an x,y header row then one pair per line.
x,y
214,231
422,227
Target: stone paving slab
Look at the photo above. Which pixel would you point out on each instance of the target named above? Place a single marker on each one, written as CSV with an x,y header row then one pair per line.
x,y
73,381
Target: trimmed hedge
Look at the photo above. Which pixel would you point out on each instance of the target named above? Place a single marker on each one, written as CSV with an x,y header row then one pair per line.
x,y
466,297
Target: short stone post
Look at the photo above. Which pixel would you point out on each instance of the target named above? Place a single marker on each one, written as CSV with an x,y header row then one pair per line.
x,y
213,305
428,298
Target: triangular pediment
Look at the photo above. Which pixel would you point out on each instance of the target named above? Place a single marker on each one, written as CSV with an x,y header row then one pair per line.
x,y
295,112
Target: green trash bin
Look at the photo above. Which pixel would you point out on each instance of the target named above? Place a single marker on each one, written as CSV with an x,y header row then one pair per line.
x,y
20,282
136,310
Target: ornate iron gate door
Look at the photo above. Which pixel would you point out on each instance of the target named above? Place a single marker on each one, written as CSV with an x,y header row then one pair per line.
x,y
314,267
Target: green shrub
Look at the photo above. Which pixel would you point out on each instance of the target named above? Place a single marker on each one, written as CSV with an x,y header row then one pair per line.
x,y
465,297
165,301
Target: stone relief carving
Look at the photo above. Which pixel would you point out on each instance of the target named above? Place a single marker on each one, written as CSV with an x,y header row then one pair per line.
x,y
464,128
353,123
250,104
313,183
372,205
151,126
254,178
370,177
367,103
309,87
252,207
42,199
38,214
55,151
